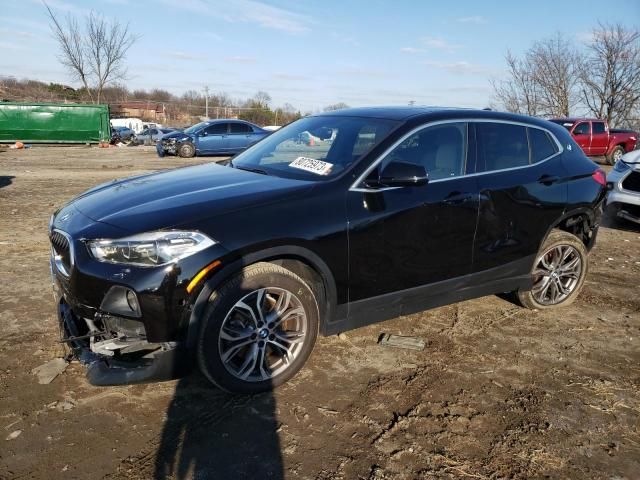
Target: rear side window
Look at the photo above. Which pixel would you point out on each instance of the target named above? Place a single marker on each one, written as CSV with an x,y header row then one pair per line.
x,y
501,146
240,128
598,127
541,144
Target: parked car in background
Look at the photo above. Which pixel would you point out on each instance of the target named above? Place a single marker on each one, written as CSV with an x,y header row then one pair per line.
x,y
134,124
240,267
126,134
597,140
623,183
213,137
153,134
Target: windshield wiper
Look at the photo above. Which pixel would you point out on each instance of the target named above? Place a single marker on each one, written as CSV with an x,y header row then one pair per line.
x,y
251,169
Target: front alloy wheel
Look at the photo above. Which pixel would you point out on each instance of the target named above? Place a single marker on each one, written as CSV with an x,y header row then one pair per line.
x,y
262,334
258,330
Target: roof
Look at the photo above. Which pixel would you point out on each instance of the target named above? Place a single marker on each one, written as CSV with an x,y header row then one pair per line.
x,y
576,119
424,114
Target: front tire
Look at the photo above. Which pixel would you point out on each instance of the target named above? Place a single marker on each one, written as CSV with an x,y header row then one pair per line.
x,y
186,150
558,272
258,329
615,155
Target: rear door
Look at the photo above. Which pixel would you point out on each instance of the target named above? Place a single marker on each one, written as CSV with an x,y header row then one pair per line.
x,y
523,190
240,136
213,139
599,138
582,135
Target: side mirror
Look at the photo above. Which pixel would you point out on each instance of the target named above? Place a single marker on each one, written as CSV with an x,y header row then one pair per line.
x,y
403,174
202,133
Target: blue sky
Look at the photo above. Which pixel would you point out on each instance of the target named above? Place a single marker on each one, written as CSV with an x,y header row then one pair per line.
x,y
311,54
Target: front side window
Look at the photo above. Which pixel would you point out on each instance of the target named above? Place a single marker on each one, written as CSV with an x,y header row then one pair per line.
x,y
581,129
541,145
216,129
440,149
315,148
501,146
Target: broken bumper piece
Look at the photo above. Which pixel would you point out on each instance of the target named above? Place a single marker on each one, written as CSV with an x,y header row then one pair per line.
x,y
106,364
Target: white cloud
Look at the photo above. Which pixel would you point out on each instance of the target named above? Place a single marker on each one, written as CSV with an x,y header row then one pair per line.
x,y
476,19
460,67
411,50
241,59
438,43
249,11
182,56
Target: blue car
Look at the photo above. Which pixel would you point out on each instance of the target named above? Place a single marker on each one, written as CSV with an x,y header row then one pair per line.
x,y
213,137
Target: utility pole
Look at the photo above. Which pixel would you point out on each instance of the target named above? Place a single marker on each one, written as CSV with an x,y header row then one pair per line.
x,y
206,102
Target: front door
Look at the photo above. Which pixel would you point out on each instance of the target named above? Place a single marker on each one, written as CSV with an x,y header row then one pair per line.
x,y
582,135
213,139
401,238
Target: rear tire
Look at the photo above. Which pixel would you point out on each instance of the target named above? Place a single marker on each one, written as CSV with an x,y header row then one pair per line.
x,y
258,329
186,150
615,155
558,272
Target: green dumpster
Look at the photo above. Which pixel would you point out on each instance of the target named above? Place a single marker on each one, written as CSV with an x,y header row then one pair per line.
x,y
54,123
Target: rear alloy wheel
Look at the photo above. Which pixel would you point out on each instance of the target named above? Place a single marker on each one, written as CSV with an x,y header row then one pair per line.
x,y
259,329
558,273
615,155
186,150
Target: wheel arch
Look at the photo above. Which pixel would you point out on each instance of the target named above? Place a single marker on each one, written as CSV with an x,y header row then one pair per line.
x,y
579,222
300,260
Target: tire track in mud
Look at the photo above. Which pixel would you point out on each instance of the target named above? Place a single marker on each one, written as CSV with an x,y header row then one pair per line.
x,y
143,465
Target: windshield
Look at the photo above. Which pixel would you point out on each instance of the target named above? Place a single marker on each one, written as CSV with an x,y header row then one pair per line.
x,y
315,148
195,128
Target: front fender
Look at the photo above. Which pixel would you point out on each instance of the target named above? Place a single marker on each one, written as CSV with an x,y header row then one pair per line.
x,y
289,251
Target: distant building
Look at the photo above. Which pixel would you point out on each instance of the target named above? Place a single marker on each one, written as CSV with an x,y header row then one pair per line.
x,y
150,111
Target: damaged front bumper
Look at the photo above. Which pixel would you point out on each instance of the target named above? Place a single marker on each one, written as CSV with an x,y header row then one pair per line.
x,y
113,358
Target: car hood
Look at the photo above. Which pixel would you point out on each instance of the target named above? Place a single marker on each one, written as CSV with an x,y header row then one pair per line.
x,y
178,135
182,196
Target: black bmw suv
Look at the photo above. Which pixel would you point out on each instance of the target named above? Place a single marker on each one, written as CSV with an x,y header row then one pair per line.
x,y
333,222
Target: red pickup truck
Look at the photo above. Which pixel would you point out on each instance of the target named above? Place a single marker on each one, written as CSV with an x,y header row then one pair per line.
x,y
596,139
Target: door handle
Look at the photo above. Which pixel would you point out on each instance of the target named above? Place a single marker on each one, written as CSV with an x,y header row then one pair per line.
x,y
548,179
457,198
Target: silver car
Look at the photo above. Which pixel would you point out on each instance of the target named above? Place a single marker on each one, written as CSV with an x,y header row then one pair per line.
x,y
623,182
152,135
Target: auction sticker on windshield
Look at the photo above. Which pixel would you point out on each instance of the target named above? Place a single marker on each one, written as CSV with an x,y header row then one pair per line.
x,y
312,165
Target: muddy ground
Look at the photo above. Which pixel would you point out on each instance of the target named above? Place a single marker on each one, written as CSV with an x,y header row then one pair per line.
x,y
499,392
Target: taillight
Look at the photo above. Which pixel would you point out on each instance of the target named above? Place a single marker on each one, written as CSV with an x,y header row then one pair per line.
x,y
600,177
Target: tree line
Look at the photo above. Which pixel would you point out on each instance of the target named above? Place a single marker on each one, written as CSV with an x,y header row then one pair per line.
x,y
560,77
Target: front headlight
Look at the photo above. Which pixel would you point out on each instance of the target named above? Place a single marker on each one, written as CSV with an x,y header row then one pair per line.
x,y
149,249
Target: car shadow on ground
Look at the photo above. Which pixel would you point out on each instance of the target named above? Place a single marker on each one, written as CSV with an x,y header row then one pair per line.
x,y
212,434
6,180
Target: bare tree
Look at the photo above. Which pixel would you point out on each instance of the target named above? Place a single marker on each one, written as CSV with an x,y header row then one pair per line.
x,y
543,82
95,53
556,64
610,75
517,93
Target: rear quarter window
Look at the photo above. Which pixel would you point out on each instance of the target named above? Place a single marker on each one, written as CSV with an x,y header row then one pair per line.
x,y
541,144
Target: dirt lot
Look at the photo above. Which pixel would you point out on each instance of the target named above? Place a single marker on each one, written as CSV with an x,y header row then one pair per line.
x,y
499,392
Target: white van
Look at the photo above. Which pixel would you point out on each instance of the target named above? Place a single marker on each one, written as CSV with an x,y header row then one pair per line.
x,y
134,124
